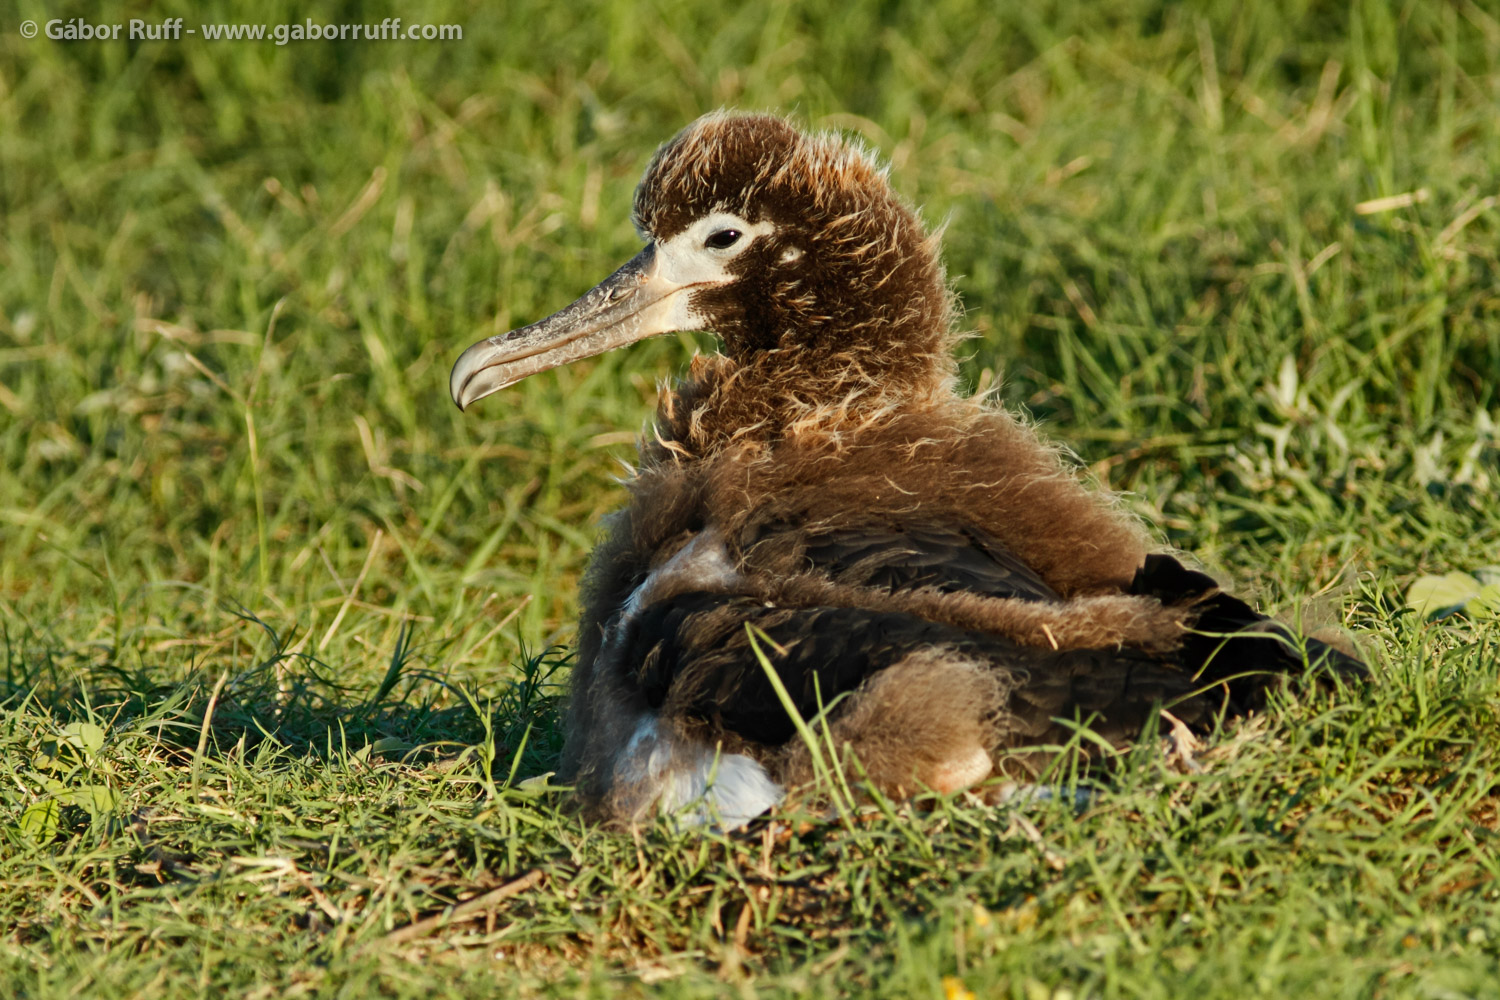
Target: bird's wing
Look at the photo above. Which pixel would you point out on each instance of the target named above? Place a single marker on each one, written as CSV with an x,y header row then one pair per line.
x,y
692,656
1231,642
896,557
696,660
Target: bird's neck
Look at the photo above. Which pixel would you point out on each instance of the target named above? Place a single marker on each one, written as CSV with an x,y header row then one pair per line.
x,y
780,395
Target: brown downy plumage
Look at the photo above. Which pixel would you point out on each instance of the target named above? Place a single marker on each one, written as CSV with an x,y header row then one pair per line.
x,y
922,562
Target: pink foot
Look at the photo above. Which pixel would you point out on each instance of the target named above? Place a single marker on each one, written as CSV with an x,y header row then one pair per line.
x,y
959,772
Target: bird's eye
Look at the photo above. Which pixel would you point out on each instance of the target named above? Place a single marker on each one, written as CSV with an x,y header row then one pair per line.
x,y
723,239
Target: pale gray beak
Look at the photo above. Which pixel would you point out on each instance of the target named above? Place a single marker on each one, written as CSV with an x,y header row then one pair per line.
x,y
634,303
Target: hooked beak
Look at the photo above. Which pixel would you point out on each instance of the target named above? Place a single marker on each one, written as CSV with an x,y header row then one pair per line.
x,y
636,302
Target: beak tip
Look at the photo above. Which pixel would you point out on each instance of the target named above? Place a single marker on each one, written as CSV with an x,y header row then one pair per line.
x,y
459,381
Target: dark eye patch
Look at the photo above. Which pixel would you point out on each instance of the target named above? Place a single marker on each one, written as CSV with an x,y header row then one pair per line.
x,y
723,239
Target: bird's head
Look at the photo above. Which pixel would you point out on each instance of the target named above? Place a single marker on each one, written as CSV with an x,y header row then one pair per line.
x,y
790,247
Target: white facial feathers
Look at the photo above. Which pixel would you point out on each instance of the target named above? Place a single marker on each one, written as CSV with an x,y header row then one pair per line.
x,y
700,254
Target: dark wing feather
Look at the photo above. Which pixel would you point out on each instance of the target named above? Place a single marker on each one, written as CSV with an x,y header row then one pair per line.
x,y
697,661
1231,641
905,557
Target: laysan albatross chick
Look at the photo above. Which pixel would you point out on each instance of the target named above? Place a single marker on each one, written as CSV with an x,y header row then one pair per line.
x,y
918,561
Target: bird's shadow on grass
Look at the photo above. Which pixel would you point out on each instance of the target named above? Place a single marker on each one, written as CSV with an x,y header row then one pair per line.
x,y
291,698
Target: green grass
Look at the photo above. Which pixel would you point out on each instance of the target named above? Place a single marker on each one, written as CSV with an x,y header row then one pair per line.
x,y
282,630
